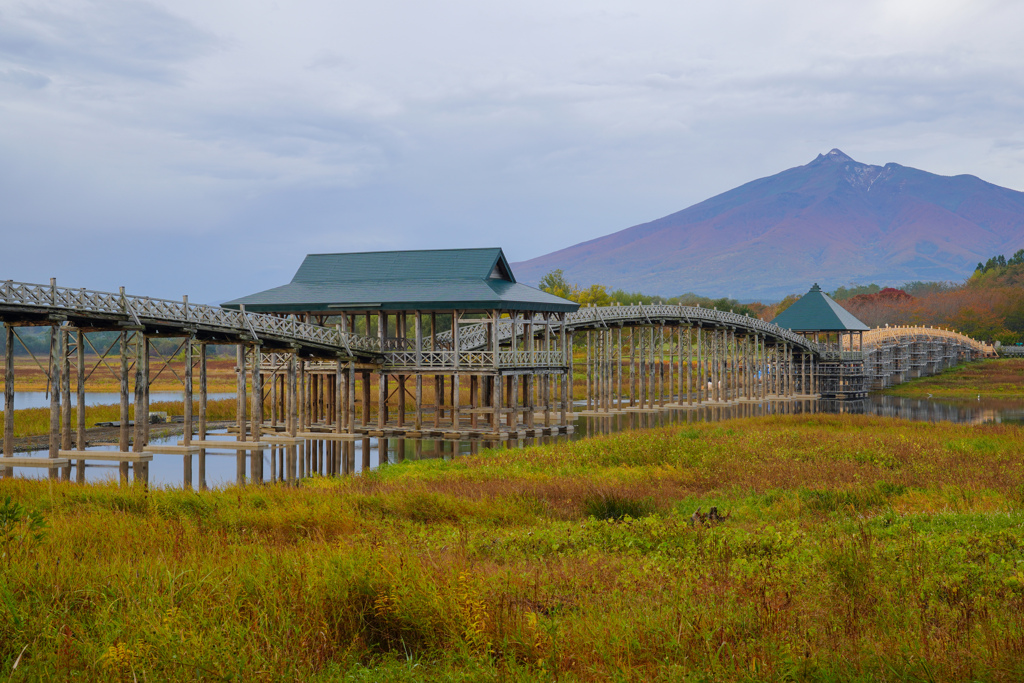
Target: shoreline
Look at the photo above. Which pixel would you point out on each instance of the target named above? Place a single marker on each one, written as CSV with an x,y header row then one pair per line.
x,y
102,435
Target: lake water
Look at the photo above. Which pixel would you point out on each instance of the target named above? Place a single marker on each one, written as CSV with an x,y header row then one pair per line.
x,y
39,399
221,467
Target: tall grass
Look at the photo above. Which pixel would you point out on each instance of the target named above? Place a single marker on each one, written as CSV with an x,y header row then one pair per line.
x,y
994,378
855,549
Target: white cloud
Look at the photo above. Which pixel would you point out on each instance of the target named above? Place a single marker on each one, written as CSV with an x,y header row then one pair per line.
x,y
266,129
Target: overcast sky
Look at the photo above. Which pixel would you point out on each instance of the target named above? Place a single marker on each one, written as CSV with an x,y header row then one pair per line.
x,y
203,147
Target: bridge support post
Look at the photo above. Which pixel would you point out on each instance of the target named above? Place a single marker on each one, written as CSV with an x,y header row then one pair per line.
x,y
661,365
567,376
291,419
202,414
54,366
651,369
240,404
689,366
590,405
123,432
187,438
8,397
65,397
80,401
632,367
366,421
256,417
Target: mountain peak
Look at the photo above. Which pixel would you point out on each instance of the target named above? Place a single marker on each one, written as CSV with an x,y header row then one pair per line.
x,y
833,220
837,155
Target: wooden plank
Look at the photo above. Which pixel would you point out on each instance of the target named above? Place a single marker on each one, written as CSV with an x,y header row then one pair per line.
x,y
112,456
327,436
172,450
229,445
274,439
36,462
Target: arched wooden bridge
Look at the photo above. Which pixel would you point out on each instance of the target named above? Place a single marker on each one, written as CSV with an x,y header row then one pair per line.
x,y
302,377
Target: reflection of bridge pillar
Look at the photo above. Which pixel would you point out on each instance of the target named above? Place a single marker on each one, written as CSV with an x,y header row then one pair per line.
x,y
256,455
54,369
186,462
240,405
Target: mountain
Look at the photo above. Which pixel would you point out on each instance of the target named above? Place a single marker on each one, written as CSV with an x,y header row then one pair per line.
x,y
833,221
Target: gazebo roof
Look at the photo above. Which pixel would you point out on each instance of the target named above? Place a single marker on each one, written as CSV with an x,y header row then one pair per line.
x,y
818,312
426,280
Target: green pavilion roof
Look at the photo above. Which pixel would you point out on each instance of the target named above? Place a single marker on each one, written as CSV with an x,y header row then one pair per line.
x,y
818,312
436,279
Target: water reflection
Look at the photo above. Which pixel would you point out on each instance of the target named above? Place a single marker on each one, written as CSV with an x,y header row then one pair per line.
x,y
222,467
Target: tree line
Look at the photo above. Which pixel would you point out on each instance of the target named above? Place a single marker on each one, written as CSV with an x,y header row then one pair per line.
x,y
988,306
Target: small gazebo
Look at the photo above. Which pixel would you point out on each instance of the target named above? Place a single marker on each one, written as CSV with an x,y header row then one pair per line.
x,y
816,314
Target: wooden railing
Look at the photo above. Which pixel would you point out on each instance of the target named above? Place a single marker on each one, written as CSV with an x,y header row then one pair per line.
x,y
83,302
475,336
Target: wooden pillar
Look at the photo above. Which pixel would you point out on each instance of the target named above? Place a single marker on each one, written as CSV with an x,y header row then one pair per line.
x,y
351,400
240,422
301,399
8,398
141,417
125,415
438,399
382,399
734,366
340,396
256,457
701,384
202,414
790,389
474,400
186,463
273,402
651,372
641,369
689,367
496,402
590,404
54,370
365,418
401,400
632,366
146,349
567,377
80,396
618,367
65,396
661,366
292,419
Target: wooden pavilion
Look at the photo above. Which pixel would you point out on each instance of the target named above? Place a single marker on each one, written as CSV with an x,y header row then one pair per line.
x,y
818,316
456,315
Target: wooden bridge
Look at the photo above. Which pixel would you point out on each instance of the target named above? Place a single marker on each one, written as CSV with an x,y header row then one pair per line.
x,y
297,381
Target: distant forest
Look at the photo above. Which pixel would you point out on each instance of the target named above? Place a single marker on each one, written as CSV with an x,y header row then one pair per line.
x,y
988,306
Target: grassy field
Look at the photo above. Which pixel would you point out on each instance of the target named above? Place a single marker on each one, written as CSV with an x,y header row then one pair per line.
x,y
996,378
36,421
852,549
28,376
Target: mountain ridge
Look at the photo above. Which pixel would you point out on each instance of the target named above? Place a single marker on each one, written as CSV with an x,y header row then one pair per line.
x,y
834,220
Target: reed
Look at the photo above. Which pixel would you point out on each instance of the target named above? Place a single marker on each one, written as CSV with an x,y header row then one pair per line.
x,y
1001,378
853,549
